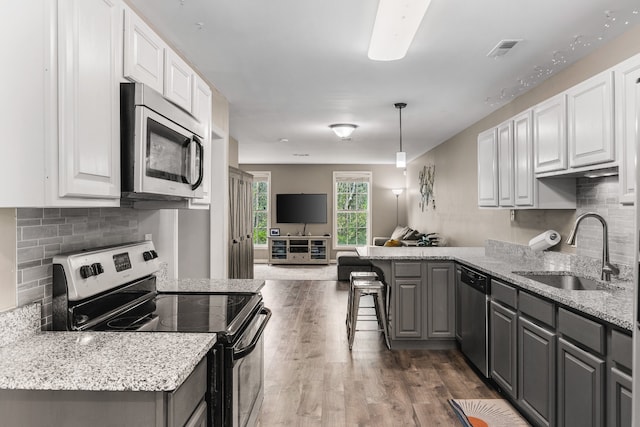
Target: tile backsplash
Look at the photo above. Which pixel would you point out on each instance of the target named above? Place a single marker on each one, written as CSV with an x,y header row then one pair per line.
x,y
44,233
600,195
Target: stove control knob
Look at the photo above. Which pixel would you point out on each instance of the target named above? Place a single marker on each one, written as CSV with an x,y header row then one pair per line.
x,y
97,268
147,255
86,271
154,254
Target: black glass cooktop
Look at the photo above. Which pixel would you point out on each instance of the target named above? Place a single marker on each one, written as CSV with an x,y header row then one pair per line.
x,y
204,313
225,314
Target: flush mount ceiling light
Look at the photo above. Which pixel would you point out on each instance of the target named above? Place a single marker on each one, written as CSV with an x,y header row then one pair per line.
x,y
401,156
396,24
343,130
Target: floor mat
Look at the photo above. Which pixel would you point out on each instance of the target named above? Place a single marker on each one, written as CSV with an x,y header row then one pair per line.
x,y
487,413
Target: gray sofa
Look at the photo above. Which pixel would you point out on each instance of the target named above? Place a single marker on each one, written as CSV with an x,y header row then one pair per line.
x,y
406,236
349,261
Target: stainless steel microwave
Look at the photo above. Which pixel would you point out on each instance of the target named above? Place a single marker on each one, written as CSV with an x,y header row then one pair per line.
x,y
161,147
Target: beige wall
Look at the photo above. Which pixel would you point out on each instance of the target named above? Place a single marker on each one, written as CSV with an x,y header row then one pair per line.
x,y
319,179
7,258
456,215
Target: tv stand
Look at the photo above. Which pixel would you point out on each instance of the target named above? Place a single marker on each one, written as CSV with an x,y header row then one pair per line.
x,y
299,249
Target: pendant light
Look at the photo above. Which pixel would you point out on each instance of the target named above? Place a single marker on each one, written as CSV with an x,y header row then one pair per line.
x,y
401,156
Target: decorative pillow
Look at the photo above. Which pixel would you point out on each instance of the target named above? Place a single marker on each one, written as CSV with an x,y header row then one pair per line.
x,y
392,243
411,235
399,233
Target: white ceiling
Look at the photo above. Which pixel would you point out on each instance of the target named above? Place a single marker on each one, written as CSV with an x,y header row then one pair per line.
x,y
290,68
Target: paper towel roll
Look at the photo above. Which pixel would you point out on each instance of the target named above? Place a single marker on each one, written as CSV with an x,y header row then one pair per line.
x,y
544,240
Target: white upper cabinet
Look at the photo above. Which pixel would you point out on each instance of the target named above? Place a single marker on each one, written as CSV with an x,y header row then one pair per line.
x,y
143,52
627,127
90,60
149,60
178,80
590,121
202,110
488,168
62,108
505,164
523,160
505,170
550,134
24,102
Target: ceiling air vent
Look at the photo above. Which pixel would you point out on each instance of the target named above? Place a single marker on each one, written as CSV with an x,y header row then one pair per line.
x,y
503,47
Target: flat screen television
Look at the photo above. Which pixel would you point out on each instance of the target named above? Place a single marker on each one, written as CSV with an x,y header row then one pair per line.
x,y
301,208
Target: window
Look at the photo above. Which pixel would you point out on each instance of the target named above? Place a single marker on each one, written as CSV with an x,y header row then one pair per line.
x,y
351,208
261,216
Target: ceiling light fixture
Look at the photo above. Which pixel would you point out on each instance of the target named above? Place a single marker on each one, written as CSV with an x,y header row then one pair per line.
x,y
343,130
401,156
396,24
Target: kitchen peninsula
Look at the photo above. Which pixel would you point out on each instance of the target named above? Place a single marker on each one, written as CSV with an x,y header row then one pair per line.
x,y
612,303
557,354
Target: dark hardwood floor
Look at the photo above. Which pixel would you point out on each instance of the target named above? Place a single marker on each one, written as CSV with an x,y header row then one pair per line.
x,y
312,379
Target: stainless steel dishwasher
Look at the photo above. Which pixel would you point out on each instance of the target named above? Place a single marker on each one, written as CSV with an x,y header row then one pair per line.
x,y
473,288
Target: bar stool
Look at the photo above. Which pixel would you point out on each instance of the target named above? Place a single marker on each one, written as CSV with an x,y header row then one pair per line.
x,y
357,289
358,275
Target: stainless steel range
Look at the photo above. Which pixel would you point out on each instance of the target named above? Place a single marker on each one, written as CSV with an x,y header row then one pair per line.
x,y
114,289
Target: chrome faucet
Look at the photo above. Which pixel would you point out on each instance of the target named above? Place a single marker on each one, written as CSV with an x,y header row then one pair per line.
x,y
607,267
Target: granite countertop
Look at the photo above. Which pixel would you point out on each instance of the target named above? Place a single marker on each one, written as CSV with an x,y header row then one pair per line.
x,y
210,285
102,361
105,361
613,303
418,252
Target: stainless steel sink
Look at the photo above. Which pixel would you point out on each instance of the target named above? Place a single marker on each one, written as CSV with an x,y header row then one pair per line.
x,y
564,280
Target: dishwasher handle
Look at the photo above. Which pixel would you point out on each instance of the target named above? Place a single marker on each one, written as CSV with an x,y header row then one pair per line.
x,y
474,279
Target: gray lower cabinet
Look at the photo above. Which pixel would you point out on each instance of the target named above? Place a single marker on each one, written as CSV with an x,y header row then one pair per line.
x,y
559,366
580,387
619,395
183,407
408,308
620,399
423,301
537,372
440,300
503,349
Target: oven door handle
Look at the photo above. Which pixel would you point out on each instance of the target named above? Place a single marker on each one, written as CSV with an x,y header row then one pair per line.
x,y
245,351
